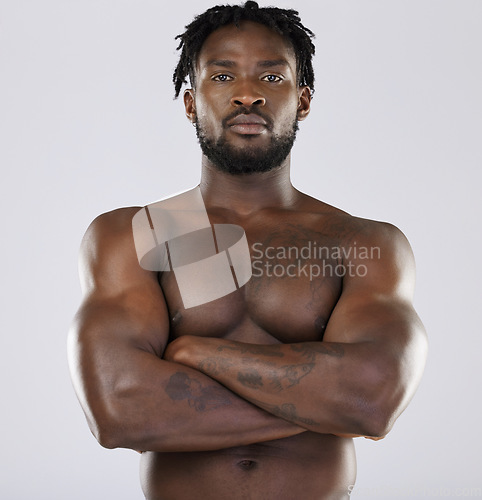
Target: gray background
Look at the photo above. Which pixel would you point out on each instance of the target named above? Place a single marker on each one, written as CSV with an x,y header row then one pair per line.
x,y
88,124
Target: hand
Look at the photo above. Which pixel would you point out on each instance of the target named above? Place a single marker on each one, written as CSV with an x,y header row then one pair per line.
x,y
190,350
178,351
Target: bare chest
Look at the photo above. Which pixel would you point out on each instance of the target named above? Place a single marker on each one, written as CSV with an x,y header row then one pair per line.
x,y
281,284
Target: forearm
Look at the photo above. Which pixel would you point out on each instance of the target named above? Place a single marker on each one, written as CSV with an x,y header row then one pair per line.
x,y
158,405
323,387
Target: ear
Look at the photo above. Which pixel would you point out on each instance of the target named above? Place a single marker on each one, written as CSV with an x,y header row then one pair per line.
x,y
190,105
304,102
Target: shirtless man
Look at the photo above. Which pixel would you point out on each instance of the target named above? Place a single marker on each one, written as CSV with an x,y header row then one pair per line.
x,y
258,393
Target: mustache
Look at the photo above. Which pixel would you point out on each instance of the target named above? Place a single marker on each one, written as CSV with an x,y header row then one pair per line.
x,y
245,110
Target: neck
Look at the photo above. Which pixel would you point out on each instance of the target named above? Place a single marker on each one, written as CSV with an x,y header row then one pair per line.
x,y
245,194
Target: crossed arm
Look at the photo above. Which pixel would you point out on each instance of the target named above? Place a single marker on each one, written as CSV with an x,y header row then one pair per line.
x,y
357,387
207,393
132,398
354,383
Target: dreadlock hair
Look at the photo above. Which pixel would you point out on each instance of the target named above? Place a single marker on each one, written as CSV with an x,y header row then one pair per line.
x,y
284,21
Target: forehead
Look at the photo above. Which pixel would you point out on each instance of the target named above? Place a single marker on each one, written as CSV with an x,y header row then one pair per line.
x,y
250,41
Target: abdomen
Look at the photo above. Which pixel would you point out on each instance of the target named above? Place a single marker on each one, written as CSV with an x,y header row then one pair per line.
x,y
309,466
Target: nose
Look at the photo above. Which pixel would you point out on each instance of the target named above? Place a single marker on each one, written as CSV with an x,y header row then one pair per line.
x,y
246,94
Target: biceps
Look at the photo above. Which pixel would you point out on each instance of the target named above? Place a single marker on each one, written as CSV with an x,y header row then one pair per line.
x,y
105,335
139,320
392,335
371,320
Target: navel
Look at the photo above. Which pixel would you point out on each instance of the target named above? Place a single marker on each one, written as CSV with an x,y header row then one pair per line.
x,y
247,465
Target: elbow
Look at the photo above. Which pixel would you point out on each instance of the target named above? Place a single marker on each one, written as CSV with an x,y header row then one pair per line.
x,y
107,437
365,418
384,398
107,441
377,423
112,434
387,401
125,428
106,431
110,425
384,390
104,423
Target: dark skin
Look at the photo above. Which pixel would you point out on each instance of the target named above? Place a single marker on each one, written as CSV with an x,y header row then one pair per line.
x,y
256,394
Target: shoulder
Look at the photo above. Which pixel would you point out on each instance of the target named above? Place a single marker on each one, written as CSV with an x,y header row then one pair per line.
x,y
350,230
357,236
354,230
377,237
119,221
373,254
136,233
377,255
109,228
114,221
107,249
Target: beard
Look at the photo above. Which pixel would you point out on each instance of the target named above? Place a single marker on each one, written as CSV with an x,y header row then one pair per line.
x,y
249,159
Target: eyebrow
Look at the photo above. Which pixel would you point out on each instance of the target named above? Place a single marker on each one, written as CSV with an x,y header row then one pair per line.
x,y
272,63
226,63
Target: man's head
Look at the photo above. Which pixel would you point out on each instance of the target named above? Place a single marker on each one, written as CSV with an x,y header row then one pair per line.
x,y
252,80
285,21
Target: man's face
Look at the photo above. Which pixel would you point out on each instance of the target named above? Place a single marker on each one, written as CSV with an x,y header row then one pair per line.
x,y
246,103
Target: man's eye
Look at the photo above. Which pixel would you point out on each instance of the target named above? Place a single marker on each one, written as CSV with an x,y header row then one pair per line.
x,y
272,78
221,78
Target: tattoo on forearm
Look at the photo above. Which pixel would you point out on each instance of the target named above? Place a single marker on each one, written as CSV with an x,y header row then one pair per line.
x,y
251,379
214,366
287,411
270,350
181,387
280,379
311,350
291,375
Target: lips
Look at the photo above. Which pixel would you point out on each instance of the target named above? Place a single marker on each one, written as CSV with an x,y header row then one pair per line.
x,y
250,124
